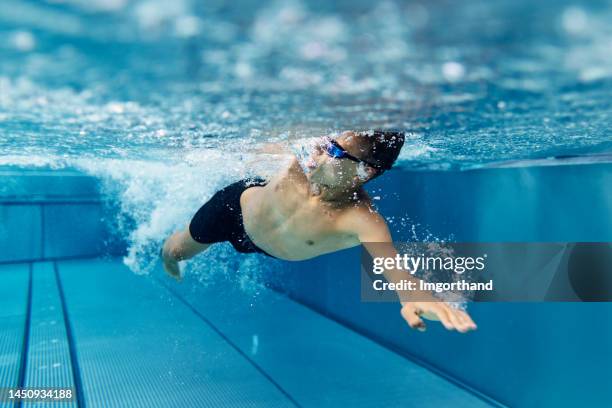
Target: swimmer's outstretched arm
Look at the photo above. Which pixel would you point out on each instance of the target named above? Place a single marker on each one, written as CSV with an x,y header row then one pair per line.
x,y
374,234
179,247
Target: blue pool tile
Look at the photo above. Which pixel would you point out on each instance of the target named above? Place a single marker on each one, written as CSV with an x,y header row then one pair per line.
x,y
20,232
138,346
72,230
316,360
14,283
18,183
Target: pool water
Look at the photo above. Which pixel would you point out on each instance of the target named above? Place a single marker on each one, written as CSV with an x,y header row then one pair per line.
x,y
151,80
154,105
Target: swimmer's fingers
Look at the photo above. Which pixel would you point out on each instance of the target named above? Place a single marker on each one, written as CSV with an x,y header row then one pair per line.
x,y
454,319
458,320
451,319
467,319
441,313
410,313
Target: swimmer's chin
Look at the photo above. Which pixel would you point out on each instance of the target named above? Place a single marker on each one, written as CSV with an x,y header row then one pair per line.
x,y
311,164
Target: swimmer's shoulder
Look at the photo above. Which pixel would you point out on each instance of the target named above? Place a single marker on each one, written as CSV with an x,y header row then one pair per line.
x,y
360,215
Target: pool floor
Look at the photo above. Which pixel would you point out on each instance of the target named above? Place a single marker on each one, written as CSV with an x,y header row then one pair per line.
x,y
122,340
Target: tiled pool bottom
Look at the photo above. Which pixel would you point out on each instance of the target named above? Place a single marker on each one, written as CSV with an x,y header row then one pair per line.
x,y
122,340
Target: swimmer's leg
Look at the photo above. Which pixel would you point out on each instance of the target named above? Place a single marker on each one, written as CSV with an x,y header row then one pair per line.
x,y
179,246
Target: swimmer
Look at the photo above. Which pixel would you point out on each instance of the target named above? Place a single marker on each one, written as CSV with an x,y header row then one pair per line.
x,y
298,215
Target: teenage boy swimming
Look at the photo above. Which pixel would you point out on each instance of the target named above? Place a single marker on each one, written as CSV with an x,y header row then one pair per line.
x,y
298,215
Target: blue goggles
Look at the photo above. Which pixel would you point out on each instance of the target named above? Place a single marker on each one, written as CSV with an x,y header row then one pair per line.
x,y
334,150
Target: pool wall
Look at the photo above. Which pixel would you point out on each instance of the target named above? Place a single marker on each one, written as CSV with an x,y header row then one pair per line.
x,y
524,355
38,207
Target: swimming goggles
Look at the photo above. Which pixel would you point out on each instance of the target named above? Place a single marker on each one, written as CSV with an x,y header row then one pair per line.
x,y
333,149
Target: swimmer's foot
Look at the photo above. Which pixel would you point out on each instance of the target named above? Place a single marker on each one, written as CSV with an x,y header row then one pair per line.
x,y
171,266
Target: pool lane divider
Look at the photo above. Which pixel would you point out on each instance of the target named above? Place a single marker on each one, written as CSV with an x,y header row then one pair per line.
x,y
176,295
76,371
26,335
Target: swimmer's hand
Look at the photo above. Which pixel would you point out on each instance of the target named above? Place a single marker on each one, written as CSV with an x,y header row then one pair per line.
x,y
451,318
171,266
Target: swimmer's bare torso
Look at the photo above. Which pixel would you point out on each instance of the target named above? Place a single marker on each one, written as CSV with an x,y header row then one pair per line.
x,y
290,218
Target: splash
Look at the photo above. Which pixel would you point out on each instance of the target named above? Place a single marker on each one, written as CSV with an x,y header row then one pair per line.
x,y
160,198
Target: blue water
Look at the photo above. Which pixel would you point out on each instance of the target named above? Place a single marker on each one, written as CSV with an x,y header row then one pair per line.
x,y
165,102
473,83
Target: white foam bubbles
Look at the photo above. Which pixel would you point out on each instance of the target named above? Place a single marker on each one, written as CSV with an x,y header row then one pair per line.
x,y
159,197
187,26
415,148
23,40
574,20
453,71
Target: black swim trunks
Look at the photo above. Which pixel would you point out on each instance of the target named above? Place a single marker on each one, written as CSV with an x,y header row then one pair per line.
x,y
220,219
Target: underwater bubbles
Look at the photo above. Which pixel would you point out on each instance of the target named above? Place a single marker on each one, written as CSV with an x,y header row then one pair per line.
x,y
574,20
453,71
23,40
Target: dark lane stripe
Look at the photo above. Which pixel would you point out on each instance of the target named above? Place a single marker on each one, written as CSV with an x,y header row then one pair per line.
x,y
76,372
26,335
